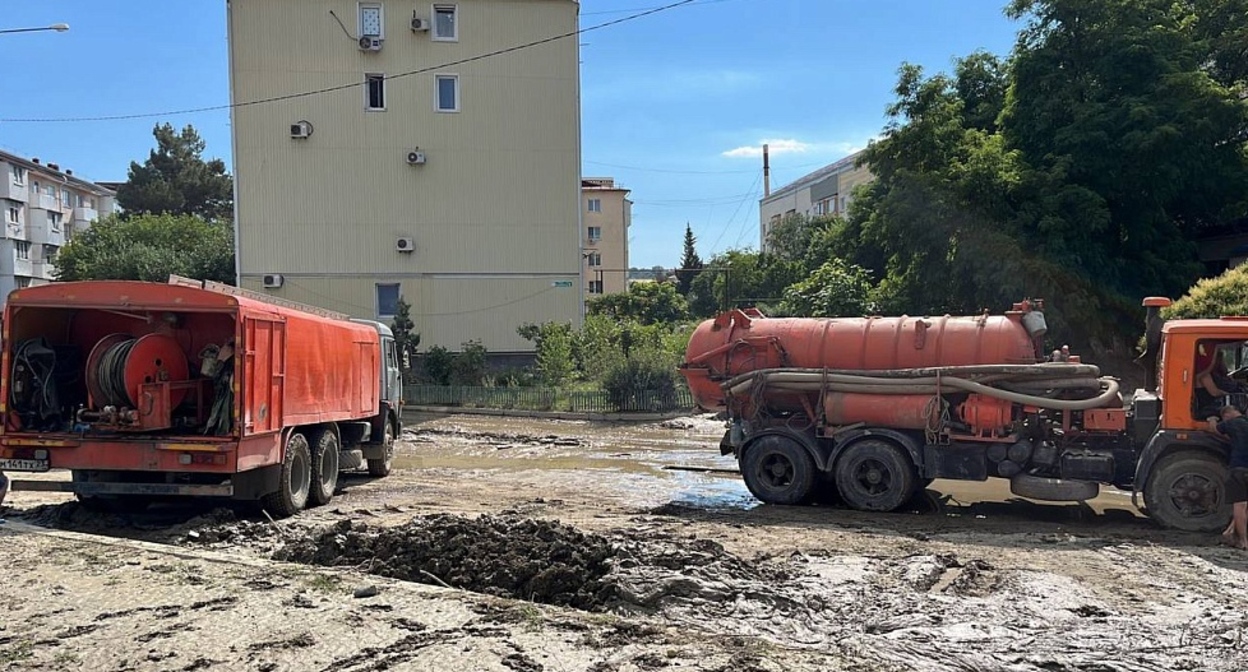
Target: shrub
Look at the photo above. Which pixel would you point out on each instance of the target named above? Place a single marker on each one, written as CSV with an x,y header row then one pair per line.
x,y
646,377
469,366
1227,294
438,363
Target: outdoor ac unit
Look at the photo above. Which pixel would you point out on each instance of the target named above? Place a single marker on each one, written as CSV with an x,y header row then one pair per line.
x,y
301,129
273,280
416,158
419,25
404,245
370,43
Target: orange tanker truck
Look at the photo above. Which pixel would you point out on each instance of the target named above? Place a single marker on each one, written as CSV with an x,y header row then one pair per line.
x,y
149,390
870,410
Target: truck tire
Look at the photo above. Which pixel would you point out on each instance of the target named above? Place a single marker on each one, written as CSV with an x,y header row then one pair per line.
x,y
381,466
1053,489
875,475
324,478
778,470
1186,490
295,480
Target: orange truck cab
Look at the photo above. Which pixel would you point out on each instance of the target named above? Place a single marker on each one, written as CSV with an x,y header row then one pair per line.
x,y
147,390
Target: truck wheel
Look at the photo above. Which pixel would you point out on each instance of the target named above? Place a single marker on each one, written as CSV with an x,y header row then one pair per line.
x,y
295,480
324,468
381,466
875,475
1053,489
1187,491
778,470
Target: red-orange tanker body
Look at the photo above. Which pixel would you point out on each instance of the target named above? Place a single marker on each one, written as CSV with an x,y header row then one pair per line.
x,y
868,411
145,390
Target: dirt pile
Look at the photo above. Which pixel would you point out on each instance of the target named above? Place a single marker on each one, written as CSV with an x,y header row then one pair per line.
x,y
535,560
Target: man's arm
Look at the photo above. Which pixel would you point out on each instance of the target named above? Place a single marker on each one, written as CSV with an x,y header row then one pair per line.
x,y
1215,426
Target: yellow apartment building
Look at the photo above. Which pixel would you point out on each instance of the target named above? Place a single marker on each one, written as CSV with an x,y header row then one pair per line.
x,y
378,155
607,214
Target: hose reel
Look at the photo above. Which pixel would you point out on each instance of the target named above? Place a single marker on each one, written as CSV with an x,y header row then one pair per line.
x,y
120,365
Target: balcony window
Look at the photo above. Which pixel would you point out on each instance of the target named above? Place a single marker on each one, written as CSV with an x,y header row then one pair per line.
x,y
448,93
445,23
595,286
19,176
22,281
49,253
67,198
23,249
14,215
595,234
595,259
595,205
54,221
387,300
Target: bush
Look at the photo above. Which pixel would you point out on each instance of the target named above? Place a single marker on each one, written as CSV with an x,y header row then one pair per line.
x,y
469,366
438,363
835,289
647,376
1227,294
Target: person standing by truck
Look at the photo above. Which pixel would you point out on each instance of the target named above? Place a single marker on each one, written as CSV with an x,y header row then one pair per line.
x,y
1235,426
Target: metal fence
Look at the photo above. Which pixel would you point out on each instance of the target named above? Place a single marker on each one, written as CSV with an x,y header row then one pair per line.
x,y
547,399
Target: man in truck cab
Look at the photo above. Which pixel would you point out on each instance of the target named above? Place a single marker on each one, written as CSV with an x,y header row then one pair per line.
x,y
1213,380
1235,426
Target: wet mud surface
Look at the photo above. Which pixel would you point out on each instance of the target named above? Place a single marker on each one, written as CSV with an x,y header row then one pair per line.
x,y
512,544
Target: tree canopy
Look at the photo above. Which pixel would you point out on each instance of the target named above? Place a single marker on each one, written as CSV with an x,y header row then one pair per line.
x,y
175,179
149,247
646,302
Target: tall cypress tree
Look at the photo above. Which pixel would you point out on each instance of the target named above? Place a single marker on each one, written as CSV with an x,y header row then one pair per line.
x,y
690,263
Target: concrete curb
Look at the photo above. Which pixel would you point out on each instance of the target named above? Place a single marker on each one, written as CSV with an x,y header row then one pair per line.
x,y
547,415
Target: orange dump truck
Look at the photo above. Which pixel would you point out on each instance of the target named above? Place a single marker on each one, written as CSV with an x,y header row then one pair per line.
x,y
869,411
146,390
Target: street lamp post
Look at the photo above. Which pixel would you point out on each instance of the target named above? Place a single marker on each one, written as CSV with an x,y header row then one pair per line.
x,y
58,27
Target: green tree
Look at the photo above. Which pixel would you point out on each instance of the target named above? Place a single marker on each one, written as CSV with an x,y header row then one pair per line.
x,y
646,302
470,364
790,238
690,263
741,277
835,289
406,340
1227,294
438,363
151,248
554,357
175,179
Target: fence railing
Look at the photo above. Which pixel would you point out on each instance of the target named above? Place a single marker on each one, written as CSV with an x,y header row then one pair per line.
x,y
547,399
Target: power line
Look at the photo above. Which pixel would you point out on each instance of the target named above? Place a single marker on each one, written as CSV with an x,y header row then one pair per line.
x,y
758,178
340,302
344,87
698,172
635,9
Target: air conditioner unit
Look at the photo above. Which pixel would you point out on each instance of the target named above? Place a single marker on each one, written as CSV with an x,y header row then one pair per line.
x,y
370,43
419,25
404,245
273,280
416,158
301,130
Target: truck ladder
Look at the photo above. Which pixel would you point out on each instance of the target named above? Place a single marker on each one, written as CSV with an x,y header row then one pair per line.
x,y
222,288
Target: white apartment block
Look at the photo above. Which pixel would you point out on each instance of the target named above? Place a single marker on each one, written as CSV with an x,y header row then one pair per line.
x,y
43,206
425,170
827,191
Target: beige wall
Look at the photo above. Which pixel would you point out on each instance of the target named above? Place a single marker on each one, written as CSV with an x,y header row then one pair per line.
x,y
796,198
614,219
493,213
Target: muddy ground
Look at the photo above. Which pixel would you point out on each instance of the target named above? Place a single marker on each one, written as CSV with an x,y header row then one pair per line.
x,y
522,545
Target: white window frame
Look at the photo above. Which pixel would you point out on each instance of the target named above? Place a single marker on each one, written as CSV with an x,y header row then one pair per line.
x,y
368,91
595,258
437,92
49,258
22,249
54,221
67,199
15,214
381,19
433,22
595,287
594,205
589,233
19,176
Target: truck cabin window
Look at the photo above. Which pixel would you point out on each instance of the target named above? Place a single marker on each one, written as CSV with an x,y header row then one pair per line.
x,y
1219,377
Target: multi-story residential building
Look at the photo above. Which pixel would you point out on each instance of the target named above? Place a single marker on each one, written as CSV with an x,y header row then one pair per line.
x,y
43,206
606,213
827,191
393,158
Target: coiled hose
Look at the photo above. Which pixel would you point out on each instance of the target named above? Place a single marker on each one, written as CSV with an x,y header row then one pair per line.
x,y
111,374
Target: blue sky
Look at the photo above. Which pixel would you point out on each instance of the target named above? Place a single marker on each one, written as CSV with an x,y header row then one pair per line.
x,y
674,105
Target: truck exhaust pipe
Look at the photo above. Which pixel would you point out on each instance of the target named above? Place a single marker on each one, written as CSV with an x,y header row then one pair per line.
x,y
1152,339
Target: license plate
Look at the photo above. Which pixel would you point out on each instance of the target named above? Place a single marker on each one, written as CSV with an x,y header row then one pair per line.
x,y
23,465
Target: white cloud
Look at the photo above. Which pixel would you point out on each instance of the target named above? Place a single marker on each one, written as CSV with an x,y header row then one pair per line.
x,y
774,147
